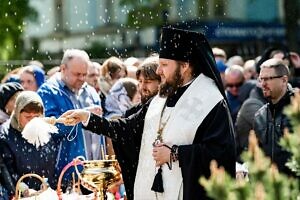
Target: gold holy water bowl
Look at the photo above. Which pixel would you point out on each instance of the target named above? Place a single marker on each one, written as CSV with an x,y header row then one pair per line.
x,y
98,175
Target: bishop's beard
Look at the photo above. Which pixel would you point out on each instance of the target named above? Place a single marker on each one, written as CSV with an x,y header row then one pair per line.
x,y
170,87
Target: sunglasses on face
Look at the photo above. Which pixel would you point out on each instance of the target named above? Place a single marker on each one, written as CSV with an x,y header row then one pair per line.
x,y
232,85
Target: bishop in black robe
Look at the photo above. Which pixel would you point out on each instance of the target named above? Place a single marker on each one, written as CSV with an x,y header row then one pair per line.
x,y
214,137
213,141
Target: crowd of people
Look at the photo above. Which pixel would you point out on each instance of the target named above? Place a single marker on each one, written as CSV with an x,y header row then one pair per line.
x,y
165,117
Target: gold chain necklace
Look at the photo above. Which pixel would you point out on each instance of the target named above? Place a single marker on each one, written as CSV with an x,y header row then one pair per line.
x,y
161,127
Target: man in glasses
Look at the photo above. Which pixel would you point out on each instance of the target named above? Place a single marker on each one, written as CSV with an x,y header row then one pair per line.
x,y
234,79
270,121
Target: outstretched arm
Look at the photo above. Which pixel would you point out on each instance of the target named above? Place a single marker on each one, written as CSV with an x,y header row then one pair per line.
x,y
117,129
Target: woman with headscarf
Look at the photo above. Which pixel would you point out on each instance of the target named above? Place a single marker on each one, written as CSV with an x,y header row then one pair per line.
x,y
32,77
20,156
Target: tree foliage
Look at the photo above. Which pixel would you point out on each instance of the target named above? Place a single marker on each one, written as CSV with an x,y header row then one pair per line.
x,y
265,182
146,13
13,15
291,142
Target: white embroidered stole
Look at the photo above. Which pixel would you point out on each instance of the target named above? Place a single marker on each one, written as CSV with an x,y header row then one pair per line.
x,y
187,115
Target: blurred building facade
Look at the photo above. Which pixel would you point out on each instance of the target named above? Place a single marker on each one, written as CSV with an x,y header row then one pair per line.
x,y
241,27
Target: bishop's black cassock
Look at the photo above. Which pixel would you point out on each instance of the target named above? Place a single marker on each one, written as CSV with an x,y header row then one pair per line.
x,y
214,138
211,142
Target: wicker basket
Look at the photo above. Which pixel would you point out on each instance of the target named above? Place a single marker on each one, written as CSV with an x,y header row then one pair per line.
x,y
44,185
75,162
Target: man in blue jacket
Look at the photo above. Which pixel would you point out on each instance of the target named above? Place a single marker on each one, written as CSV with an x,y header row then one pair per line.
x,y
68,90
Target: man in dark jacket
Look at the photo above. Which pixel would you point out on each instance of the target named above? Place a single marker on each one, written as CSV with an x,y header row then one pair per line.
x,y
270,121
182,129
